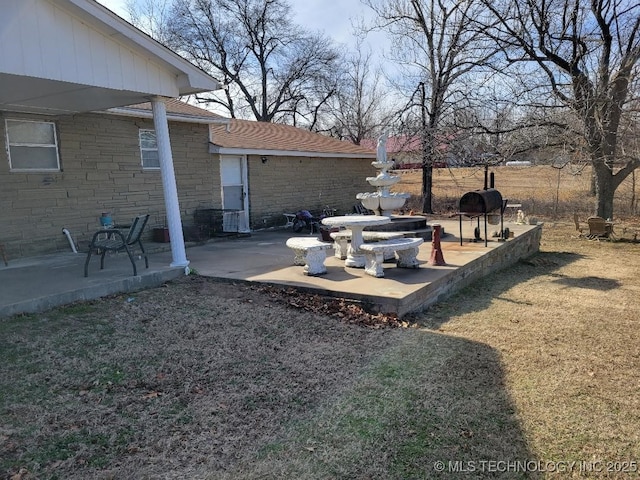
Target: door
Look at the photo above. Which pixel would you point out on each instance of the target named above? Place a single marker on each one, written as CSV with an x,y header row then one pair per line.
x,y
235,201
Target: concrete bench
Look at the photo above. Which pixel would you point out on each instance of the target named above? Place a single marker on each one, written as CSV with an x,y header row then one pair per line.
x,y
406,250
343,237
310,252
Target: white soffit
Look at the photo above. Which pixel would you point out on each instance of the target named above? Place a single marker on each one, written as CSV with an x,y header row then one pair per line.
x,y
65,56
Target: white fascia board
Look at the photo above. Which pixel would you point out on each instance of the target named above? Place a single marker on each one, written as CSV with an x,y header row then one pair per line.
x,y
284,153
190,79
129,112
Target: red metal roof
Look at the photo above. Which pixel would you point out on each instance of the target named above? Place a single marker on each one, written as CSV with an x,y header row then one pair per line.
x,y
396,144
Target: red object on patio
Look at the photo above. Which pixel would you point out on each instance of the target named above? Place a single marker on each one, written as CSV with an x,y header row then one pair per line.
x,y
436,250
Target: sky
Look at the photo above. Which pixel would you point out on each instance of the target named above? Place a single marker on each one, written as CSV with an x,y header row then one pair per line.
x,y
335,22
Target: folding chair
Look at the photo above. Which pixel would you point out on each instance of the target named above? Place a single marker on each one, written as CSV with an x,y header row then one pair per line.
x,y
113,240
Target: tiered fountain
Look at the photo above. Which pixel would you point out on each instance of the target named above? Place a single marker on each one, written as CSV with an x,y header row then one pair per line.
x,y
383,202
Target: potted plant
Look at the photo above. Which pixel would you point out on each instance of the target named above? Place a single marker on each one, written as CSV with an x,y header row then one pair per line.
x,y
161,235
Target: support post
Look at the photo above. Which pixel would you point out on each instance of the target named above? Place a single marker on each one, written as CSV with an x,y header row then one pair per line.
x,y
178,253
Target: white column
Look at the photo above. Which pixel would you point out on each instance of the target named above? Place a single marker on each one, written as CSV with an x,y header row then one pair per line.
x,y
169,183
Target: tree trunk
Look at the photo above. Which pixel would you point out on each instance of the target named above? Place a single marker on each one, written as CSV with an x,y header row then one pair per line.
x,y
605,191
427,187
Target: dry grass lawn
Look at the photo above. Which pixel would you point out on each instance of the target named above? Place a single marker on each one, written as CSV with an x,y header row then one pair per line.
x,y
535,365
542,190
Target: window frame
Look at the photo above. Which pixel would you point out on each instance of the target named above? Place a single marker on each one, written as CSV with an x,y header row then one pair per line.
x,y
10,144
147,149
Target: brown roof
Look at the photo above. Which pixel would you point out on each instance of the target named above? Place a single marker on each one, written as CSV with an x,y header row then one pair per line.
x,y
260,137
175,108
247,136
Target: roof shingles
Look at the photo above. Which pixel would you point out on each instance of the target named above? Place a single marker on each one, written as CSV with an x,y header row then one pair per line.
x,y
265,137
177,107
247,136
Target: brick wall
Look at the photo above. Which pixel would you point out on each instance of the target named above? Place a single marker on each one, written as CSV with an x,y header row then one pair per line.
x,y
288,184
100,171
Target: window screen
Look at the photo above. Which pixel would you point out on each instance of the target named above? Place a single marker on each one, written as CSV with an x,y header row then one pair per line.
x,y
149,149
32,145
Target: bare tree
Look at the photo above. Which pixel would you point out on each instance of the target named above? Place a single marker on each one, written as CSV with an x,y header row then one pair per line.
x,y
358,111
150,16
436,42
588,54
273,70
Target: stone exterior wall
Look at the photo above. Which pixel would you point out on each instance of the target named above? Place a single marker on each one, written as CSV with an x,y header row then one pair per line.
x,y
100,171
287,184
506,254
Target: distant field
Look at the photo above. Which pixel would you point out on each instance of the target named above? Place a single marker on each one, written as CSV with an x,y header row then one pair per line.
x,y
543,190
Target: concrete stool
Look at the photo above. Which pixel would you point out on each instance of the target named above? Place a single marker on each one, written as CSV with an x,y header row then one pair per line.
x,y
311,253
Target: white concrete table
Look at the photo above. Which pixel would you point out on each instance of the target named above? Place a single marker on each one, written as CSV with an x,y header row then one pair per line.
x,y
355,223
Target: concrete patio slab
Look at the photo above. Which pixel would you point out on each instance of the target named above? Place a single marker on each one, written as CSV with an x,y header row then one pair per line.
x,y
38,283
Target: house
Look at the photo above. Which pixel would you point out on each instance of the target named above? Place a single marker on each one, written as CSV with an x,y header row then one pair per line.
x,y
405,151
61,60
251,172
89,123
267,169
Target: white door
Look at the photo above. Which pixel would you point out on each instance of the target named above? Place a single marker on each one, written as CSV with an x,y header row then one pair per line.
x,y
235,201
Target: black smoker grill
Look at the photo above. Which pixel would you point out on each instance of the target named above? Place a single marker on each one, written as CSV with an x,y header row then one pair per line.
x,y
480,203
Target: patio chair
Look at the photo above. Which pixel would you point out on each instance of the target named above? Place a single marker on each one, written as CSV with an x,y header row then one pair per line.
x,y
291,219
113,240
598,228
360,209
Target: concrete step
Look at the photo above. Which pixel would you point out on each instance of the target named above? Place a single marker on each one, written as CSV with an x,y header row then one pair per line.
x,y
402,223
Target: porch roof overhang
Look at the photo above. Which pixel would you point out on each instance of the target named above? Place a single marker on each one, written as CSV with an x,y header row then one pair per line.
x,y
171,116
78,56
285,153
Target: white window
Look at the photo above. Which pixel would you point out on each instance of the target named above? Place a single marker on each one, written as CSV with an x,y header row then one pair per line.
x,y
149,149
32,145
